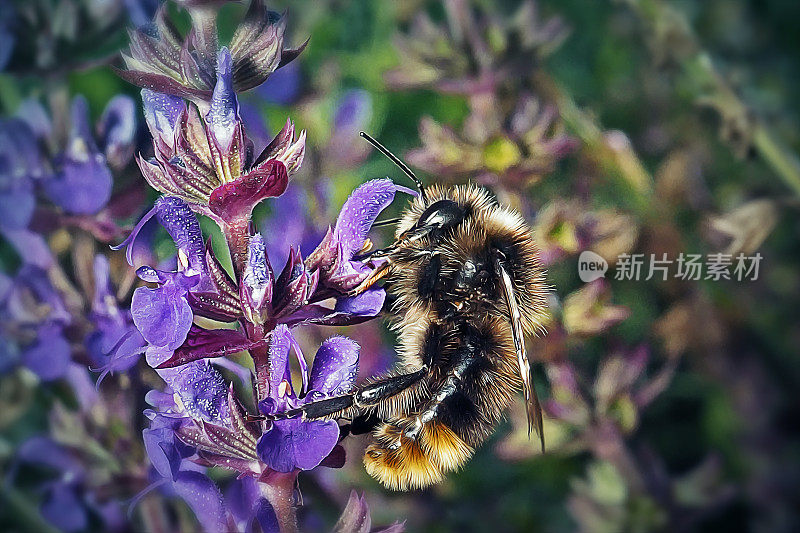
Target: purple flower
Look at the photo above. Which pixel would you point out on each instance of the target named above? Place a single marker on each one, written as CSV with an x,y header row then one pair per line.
x,y
246,506
115,345
20,165
32,318
141,12
82,182
354,109
295,443
117,131
49,355
353,113
161,112
197,423
208,161
162,60
67,497
202,392
163,315
334,257
284,86
169,457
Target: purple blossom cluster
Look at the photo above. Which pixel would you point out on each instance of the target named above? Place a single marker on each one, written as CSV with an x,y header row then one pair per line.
x,y
195,316
50,179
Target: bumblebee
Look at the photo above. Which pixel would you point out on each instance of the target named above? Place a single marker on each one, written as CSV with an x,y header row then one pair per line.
x,y
465,286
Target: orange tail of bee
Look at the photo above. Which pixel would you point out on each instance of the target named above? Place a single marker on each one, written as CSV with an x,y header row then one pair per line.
x,y
402,463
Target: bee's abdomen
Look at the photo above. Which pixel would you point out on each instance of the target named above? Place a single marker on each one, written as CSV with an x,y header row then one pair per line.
x,y
470,383
402,463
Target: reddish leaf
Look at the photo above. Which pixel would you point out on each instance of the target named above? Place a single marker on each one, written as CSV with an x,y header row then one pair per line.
x,y
203,343
236,199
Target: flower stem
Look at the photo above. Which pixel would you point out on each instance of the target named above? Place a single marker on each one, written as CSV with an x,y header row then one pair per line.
x,y
278,489
261,365
237,235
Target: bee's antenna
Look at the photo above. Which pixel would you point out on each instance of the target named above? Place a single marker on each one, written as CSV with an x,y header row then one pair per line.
x,y
396,160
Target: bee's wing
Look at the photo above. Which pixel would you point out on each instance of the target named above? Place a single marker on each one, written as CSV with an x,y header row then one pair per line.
x,y
533,408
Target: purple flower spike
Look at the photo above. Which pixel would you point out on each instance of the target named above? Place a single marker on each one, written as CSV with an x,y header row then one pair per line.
x,y
161,111
223,116
295,443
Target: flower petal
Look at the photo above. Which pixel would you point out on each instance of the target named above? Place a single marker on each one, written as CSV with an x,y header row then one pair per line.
x,y
295,443
266,517
279,369
162,315
161,111
159,444
201,389
49,356
63,508
204,498
367,304
359,213
82,185
181,223
117,129
335,368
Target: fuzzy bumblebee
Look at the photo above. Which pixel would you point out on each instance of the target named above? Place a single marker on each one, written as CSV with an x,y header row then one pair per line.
x,y
465,286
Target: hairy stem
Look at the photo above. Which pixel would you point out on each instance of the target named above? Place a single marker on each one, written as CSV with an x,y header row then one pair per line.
x,y
278,489
237,234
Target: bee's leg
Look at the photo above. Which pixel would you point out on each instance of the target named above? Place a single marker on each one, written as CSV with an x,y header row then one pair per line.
x,y
448,387
367,396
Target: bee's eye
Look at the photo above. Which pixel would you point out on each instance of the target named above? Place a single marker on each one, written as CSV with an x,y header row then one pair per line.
x,y
437,218
444,213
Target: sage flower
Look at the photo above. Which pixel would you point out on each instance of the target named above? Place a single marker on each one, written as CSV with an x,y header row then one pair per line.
x,y
164,61
294,443
208,161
